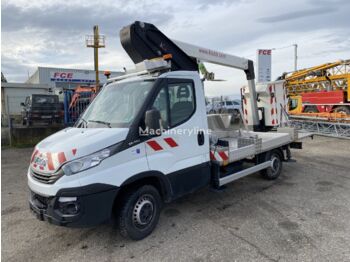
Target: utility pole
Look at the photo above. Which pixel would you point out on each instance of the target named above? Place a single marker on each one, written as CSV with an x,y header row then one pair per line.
x,y
96,41
295,57
295,54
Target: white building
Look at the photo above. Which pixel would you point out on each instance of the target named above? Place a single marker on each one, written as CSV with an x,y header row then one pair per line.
x,y
67,78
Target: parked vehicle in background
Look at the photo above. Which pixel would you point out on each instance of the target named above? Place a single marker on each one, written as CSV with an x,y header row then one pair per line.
x,y
213,107
319,90
225,107
230,107
41,108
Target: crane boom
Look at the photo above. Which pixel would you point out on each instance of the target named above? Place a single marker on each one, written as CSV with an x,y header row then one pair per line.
x,y
144,41
213,56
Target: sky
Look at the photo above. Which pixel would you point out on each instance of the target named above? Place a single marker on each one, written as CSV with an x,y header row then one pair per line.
x,y
52,33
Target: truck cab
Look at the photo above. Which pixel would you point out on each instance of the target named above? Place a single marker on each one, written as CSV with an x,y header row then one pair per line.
x,y
75,181
41,108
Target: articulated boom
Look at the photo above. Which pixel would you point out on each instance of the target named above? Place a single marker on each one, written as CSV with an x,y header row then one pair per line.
x,y
144,41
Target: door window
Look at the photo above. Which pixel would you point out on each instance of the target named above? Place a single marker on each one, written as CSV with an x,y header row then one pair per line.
x,y
161,104
176,103
182,102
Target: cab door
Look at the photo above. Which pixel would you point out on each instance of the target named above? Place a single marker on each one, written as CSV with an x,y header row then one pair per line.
x,y
295,105
181,151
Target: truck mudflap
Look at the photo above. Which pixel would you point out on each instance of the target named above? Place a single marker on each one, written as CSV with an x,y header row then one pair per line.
x,y
75,207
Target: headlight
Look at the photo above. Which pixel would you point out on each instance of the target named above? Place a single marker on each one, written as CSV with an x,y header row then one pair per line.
x,y
89,161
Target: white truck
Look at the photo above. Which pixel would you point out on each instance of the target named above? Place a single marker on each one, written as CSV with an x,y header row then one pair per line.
x,y
144,141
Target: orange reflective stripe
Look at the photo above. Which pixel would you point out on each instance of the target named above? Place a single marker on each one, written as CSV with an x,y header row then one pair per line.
x,y
61,158
49,161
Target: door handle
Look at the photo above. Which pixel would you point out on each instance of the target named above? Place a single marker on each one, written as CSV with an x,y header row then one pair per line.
x,y
200,138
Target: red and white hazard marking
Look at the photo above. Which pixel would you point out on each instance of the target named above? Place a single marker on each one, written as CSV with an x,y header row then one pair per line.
x,y
273,103
219,155
161,144
245,111
48,161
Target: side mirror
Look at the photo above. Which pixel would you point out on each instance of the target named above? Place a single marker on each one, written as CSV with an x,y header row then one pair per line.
x,y
152,121
22,104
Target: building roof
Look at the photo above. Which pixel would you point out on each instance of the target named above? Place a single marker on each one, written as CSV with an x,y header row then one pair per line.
x,y
3,78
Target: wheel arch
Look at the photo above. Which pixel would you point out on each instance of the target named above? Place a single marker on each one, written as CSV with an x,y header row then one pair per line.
x,y
154,178
262,157
346,108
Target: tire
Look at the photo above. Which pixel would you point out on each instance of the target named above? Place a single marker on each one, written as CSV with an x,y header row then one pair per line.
x,y
311,109
273,173
139,213
342,109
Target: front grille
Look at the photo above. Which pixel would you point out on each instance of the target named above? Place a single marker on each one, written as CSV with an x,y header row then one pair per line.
x,y
46,178
40,201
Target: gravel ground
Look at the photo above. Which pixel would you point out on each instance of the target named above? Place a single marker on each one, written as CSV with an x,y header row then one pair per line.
x,y
304,216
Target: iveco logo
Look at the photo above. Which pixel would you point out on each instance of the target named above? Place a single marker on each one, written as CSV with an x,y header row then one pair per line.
x,y
40,161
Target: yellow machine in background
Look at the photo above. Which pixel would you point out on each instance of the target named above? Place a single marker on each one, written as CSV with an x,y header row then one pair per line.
x,y
320,91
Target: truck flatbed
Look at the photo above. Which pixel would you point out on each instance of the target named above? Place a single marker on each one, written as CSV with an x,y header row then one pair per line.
x,y
230,145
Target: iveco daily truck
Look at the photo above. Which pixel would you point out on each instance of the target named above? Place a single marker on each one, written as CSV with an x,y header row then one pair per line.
x,y
146,139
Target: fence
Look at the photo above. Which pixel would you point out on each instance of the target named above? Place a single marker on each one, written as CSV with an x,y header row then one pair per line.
x,y
74,105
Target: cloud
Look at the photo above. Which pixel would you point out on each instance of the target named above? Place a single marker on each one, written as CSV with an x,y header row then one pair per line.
x,y
62,19
51,33
297,15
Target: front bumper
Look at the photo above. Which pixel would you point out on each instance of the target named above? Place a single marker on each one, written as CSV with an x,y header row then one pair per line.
x,y
89,205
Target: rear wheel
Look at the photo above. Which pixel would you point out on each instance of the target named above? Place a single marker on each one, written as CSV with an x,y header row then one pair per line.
x,y
342,109
274,171
311,109
139,213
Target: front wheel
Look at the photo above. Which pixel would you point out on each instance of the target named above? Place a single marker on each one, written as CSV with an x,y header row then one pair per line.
x,y
275,170
139,213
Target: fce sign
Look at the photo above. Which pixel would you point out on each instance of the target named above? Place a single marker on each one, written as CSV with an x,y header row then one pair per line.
x,y
264,65
71,77
264,51
63,75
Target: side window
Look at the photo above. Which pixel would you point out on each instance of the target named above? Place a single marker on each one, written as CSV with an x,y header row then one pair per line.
x,y
161,104
181,102
293,104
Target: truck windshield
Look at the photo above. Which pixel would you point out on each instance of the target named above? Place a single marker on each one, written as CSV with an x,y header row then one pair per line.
x,y
117,104
44,99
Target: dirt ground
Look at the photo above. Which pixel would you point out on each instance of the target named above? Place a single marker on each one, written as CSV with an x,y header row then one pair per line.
x,y
304,216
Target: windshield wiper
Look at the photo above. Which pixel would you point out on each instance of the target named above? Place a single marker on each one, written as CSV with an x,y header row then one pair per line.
x,y
100,122
81,123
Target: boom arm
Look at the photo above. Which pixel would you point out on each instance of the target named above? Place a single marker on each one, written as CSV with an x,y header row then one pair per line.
x,y
219,58
144,41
